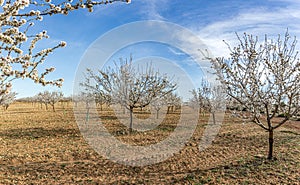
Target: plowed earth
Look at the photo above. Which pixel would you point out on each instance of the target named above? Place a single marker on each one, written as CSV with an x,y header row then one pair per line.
x,y
45,147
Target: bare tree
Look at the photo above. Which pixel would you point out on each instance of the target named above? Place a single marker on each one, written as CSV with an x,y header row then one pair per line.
x,y
131,87
264,78
7,99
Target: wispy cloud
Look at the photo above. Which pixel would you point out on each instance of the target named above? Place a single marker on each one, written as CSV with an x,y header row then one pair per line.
x,y
153,9
175,52
257,21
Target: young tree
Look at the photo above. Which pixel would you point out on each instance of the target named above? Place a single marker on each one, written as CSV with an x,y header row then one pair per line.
x,y
19,57
7,99
158,104
209,98
171,100
87,98
131,87
102,99
264,78
54,98
39,99
100,96
201,96
65,101
76,98
50,98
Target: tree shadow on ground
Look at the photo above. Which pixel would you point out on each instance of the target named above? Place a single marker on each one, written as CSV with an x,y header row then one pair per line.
x,y
100,168
241,170
38,132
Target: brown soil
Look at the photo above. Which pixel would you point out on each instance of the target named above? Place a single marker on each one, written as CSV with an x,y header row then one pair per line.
x,y
44,147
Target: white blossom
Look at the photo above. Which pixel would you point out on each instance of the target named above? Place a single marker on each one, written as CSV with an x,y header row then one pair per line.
x,y
264,79
19,56
128,86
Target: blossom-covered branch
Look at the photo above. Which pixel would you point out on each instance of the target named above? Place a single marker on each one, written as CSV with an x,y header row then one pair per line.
x,y
20,55
264,77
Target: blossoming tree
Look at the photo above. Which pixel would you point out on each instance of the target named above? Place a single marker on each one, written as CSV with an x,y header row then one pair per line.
x,y
209,97
7,98
131,87
264,77
50,98
171,101
200,97
19,57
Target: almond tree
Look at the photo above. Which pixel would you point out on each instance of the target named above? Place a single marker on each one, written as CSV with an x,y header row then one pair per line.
x,y
38,98
131,87
158,104
200,96
209,98
41,98
76,98
32,100
264,77
7,98
50,98
54,98
102,99
96,92
19,57
171,100
87,98
65,101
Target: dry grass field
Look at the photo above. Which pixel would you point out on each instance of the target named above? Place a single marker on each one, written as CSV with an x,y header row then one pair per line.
x,y
45,147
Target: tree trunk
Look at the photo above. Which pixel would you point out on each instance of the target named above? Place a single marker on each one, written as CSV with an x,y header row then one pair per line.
x,y
157,112
87,106
271,141
53,108
130,125
87,115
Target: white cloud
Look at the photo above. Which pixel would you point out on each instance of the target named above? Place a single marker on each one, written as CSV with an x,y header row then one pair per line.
x,y
175,52
257,21
154,8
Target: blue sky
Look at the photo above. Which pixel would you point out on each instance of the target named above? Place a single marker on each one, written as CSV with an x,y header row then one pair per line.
x,y
211,21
